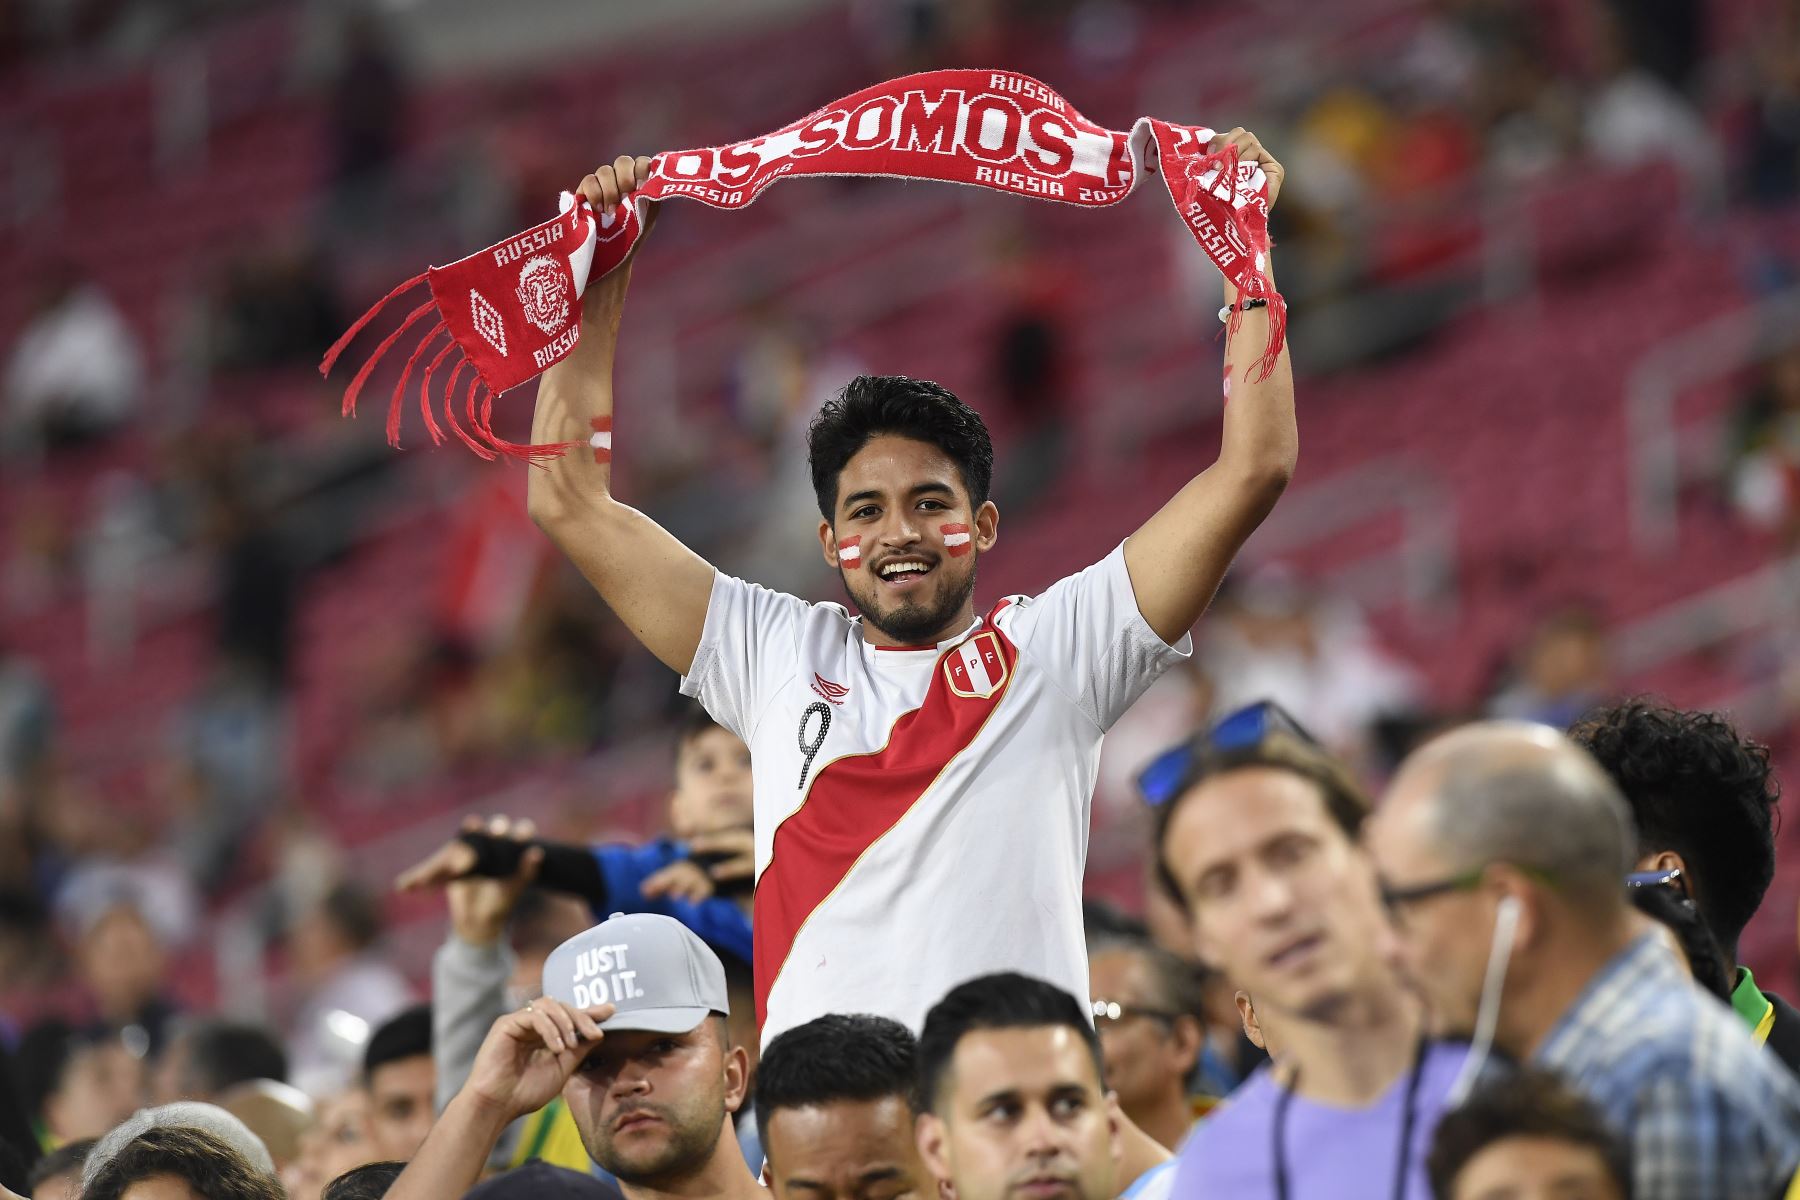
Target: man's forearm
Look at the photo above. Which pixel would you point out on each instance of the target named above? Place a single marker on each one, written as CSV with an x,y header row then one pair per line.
x,y
452,1158
1261,438
574,397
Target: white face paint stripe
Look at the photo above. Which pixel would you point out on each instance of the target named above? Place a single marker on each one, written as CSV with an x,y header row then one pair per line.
x,y
850,551
956,539
601,441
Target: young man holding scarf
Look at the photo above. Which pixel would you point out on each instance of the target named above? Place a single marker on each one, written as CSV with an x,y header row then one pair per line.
x,y
896,752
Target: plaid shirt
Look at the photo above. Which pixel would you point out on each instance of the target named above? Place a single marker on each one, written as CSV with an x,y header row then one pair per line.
x,y
1709,1114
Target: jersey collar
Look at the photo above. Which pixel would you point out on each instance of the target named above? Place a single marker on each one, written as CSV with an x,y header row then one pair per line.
x,y
927,647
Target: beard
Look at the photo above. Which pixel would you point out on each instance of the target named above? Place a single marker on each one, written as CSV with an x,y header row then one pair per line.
x,y
914,621
694,1130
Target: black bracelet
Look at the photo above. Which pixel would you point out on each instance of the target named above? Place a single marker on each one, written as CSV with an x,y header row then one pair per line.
x,y
1246,306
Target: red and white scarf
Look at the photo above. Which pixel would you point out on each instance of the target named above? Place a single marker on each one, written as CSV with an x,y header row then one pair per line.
x,y
514,309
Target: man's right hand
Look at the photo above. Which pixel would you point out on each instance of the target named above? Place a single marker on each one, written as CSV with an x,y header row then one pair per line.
x,y
479,905
529,1054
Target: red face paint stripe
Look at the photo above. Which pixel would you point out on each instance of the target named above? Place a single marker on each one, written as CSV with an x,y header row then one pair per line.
x,y
957,540
853,802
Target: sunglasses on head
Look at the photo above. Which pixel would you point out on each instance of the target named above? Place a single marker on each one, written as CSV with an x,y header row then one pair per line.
x,y
1244,729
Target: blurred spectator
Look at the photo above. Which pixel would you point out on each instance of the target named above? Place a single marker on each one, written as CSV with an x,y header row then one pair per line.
x,y
1763,452
76,1085
125,920
1509,827
1273,637
366,123
370,1181
206,1057
208,1119
1031,371
57,1175
1261,839
834,1107
1560,671
1772,156
1146,1005
1528,1135
337,1143
276,306
204,1165
1703,801
346,987
1632,117
75,373
400,1079
27,721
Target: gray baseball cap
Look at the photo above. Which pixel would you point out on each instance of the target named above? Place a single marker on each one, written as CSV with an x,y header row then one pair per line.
x,y
661,977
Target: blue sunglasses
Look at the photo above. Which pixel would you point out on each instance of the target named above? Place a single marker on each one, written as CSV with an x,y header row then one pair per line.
x,y
1250,726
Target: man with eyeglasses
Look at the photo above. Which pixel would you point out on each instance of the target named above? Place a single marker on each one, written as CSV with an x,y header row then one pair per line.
x,y
1146,1008
1501,848
1258,835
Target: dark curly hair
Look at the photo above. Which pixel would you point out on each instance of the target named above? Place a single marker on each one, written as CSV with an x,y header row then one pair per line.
x,y
1530,1103
871,405
1701,789
196,1157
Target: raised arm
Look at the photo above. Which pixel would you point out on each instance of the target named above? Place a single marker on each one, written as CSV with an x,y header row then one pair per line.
x,y
1179,556
656,585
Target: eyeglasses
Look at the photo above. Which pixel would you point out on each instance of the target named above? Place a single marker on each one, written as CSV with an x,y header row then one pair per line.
x,y
1111,1011
1670,879
1396,898
1248,727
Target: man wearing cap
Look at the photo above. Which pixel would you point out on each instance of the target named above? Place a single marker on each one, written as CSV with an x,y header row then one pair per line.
x,y
631,1031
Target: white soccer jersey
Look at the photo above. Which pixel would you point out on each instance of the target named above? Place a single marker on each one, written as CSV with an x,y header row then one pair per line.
x,y
921,814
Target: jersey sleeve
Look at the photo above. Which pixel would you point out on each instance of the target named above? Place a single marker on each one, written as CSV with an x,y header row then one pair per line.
x,y
747,651
1087,634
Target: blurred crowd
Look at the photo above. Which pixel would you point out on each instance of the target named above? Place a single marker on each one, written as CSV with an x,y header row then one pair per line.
x,y
112,882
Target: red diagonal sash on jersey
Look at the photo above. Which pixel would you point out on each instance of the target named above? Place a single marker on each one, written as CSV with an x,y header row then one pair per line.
x,y
515,308
857,799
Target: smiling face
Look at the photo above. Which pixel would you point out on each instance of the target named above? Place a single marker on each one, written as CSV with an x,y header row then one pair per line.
x,y
917,538
1283,903
651,1107
1022,1115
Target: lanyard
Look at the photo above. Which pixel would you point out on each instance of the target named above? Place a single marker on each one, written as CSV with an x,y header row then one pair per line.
x,y
1402,1155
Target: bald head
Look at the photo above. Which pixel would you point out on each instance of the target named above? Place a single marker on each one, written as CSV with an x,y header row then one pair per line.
x,y
1501,791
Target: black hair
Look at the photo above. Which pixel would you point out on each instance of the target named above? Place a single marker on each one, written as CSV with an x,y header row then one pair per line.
x,y
872,405
370,1181
1006,1000
1528,1103
222,1053
1344,798
70,1156
1700,789
205,1163
407,1034
695,721
1701,949
355,912
1103,921
43,1059
832,1058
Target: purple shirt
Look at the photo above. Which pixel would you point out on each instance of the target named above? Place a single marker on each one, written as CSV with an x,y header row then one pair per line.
x,y
1343,1153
